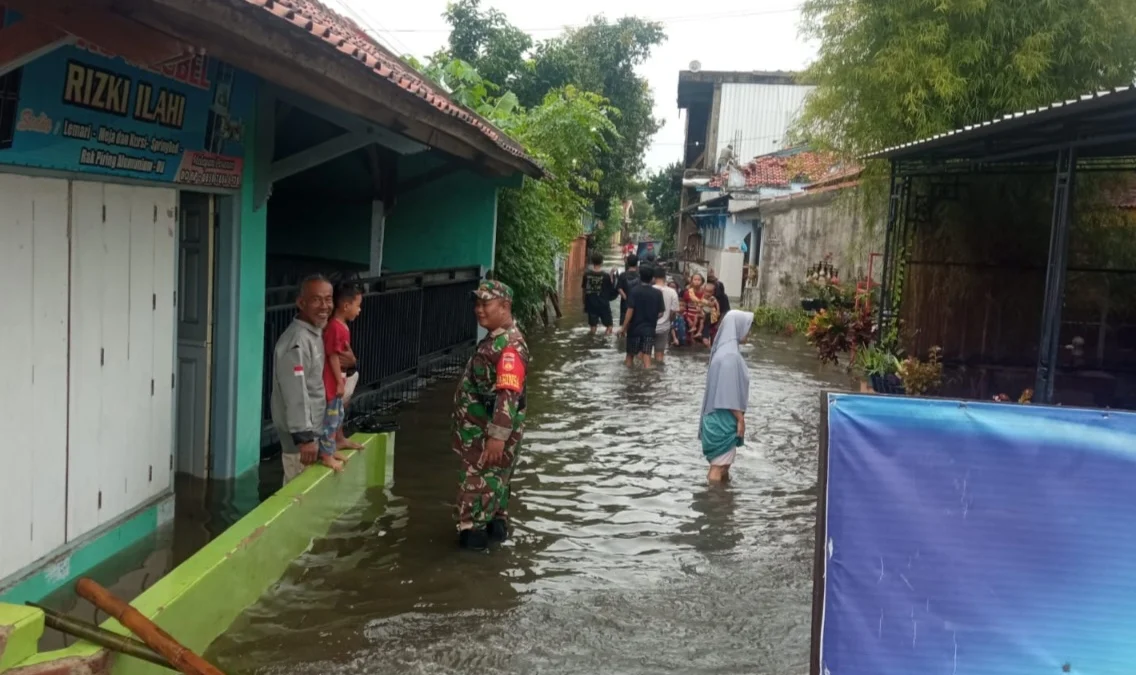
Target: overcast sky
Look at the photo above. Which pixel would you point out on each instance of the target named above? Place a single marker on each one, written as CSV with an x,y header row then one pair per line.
x,y
724,35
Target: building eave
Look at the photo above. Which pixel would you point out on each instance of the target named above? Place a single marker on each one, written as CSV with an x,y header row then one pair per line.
x,y
278,41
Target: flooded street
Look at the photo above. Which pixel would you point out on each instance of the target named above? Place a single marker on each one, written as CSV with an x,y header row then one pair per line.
x,y
623,560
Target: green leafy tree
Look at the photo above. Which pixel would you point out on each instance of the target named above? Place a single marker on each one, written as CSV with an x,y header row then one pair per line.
x,y
892,71
485,39
664,198
567,132
600,57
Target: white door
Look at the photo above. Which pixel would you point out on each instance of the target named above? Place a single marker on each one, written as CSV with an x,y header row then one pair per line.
x,y
121,354
195,332
33,358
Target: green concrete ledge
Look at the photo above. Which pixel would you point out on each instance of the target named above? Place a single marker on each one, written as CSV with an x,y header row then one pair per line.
x,y
200,599
20,628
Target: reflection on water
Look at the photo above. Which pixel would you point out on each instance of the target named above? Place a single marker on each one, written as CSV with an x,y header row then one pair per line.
x,y
623,561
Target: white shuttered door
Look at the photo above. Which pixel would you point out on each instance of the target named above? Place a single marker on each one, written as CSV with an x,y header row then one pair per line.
x,y
122,340
33,358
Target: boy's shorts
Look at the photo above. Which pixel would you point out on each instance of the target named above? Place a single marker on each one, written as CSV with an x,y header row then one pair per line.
x,y
640,345
662,340
598,311
332,420
349,388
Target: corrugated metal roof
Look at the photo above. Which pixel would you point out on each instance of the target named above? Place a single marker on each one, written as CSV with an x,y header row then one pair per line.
x,y
756,117
1015,119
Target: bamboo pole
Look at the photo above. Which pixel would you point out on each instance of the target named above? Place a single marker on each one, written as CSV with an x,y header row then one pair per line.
x,y
122,644
157,639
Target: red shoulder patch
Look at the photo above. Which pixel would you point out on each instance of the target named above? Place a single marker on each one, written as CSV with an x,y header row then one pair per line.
x,y
510,371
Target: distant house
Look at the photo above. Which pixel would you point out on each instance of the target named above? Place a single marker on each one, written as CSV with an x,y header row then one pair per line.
x,y
729,222
750,114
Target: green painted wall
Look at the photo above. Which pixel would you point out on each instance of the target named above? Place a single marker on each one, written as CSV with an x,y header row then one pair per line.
x,y
335,229
250,338
447,223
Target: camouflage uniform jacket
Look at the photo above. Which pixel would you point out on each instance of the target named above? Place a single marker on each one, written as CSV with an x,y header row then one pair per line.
x,y
490,399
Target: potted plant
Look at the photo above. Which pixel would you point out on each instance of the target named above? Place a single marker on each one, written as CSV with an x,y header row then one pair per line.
x,y
922,377
821,287
878,367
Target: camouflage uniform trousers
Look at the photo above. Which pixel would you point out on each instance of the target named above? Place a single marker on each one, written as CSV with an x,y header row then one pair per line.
x,y
483,492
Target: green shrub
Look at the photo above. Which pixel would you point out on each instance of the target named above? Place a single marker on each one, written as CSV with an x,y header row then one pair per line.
x,y
786,321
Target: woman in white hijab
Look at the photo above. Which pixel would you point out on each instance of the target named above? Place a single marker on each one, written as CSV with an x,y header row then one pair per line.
x,y
722,426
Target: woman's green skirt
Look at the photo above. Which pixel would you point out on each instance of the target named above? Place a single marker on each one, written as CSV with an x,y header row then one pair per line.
x,y
719,434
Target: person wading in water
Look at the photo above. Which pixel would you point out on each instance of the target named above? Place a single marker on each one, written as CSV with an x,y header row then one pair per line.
x,y
722,426
627,282
489,419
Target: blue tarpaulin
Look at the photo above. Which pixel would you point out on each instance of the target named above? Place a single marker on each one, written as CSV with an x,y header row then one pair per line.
x,y
976,539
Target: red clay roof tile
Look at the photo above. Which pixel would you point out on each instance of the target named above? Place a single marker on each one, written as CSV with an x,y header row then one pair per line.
x,y
779,170
347,37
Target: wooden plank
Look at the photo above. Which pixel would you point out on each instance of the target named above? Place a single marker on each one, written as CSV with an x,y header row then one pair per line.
x,y
378,235
16,495
349,122
85,389
383,166
26,41
319,154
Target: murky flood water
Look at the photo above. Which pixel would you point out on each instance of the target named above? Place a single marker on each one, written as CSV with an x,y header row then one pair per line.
x,y
623,561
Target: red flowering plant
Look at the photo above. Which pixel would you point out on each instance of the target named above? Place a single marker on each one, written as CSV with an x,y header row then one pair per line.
x,y
840,330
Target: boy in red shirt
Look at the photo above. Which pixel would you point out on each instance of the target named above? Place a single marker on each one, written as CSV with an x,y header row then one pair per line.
x,y
337,358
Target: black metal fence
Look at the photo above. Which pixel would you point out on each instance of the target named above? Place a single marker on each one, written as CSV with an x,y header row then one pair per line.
x,y
412,326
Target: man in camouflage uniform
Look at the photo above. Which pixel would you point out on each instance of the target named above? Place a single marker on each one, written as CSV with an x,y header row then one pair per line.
x,y
489,419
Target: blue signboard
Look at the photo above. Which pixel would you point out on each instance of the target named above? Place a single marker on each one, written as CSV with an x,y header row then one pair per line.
x,y
181,121
976,539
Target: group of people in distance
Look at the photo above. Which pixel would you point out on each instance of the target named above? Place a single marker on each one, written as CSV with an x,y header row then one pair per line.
x,y
655,313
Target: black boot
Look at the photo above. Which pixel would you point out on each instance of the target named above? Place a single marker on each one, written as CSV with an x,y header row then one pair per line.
x,y
498,530
475,540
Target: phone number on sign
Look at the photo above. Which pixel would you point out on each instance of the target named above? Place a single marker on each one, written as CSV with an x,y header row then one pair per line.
x,y
209,179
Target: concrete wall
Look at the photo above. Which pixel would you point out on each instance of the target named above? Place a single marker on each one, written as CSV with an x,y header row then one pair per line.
x,y
450,222
800,231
